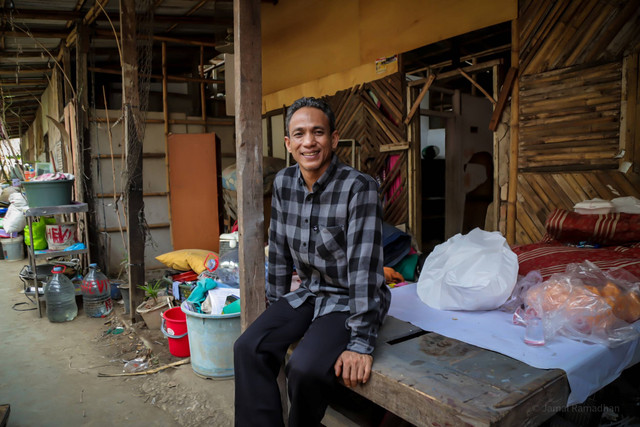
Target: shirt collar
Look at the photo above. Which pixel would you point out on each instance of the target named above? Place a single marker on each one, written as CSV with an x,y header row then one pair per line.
x,y
326,176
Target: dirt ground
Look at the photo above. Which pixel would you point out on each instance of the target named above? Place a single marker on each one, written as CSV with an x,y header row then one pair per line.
x,y
52,373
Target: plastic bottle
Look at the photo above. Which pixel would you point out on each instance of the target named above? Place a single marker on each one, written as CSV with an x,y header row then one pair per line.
x,y
60,295
96,293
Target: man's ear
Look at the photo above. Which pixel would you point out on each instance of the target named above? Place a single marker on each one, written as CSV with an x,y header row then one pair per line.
x,y
287,143
335,138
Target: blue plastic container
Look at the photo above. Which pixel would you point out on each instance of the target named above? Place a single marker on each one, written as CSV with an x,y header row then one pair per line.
x,y
211,339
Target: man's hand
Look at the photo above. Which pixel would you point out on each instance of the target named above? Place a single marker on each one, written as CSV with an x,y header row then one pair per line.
x,y
354,367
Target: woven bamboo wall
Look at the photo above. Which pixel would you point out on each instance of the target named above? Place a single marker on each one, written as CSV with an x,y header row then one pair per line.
x,y
372,114
570,102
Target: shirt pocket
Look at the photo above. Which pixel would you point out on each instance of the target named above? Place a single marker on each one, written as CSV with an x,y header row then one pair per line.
x,y
332,242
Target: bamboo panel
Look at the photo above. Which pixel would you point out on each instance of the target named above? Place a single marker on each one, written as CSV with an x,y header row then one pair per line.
x,y
372,114
540,193
559,34
561,118
570,117
533,201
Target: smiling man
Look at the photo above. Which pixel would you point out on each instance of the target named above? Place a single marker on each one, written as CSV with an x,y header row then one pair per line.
x,y
326,222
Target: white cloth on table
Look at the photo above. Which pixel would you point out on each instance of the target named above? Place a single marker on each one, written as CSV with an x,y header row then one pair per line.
x,y
589,367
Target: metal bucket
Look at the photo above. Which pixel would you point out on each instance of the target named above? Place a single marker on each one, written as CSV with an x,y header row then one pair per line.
x,y
211,339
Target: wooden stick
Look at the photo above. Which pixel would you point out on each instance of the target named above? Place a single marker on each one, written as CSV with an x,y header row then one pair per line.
x,y
476,84
113,170
53,161
149,371
502,98
514,131
417,102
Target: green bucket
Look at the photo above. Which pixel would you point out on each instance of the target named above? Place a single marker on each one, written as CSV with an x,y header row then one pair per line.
x,y
48,193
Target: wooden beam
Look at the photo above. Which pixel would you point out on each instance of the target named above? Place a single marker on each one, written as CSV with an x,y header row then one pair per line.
x,y
477,85
470,69
26,54
21,15
15,71
513,143
203,98
24,82
248,96
160,76
167,128
151,226
82,121
502,99
116,195
108,34
66,69
119,156
423,92
401,146
189,12
436,113
454,163
214,121
133,143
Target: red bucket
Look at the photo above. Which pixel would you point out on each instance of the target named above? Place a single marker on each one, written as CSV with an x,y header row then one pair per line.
x,y
174,327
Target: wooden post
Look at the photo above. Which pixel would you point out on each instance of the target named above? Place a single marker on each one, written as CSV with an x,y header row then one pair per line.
x,y
82,110
513,144
454,192
248,96
203,99
82,157
493,209
165,116
133,149
66,67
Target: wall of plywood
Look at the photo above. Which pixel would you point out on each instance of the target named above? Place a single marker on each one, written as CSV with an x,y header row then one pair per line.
x,y
317,47
576,90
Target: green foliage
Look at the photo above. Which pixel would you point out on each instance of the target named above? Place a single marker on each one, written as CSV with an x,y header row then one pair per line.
x,y
152,289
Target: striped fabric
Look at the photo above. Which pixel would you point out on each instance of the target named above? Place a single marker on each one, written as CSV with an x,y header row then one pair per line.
x,y
554,258
605,229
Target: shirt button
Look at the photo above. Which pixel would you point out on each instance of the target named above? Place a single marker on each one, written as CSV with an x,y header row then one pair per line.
x,y
304,244
315,228
306,220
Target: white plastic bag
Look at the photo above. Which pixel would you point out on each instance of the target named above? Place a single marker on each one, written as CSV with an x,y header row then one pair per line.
x,y
14,219
476,271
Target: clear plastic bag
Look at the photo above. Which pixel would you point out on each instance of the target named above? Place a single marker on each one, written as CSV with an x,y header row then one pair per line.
x,y
139,364
523,284
569,307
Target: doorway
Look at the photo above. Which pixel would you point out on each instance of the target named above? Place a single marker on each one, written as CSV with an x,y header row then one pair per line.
x,y
456,182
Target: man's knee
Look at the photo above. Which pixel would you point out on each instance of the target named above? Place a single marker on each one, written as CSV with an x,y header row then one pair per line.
x,y
303,371
244,346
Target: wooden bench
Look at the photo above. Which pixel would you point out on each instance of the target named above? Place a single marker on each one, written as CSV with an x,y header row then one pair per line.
x,y
431,380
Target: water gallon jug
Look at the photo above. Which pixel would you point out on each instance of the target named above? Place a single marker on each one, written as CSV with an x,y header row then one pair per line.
x,y
60,295
96,293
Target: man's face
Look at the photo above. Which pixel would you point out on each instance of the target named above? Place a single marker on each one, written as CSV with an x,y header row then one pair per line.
x,y
311,142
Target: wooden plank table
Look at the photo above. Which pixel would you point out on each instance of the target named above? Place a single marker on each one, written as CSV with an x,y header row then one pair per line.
x,y
431,380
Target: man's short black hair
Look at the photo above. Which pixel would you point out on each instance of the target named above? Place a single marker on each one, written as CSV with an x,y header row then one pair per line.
x,y
314,103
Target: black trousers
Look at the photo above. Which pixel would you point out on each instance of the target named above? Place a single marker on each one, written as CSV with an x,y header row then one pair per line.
x,y
259,354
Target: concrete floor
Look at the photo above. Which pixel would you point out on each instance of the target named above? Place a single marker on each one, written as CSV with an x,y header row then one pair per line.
x,y
48,373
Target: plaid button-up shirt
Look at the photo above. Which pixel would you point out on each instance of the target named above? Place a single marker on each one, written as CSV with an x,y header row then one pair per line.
x,y
333,237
